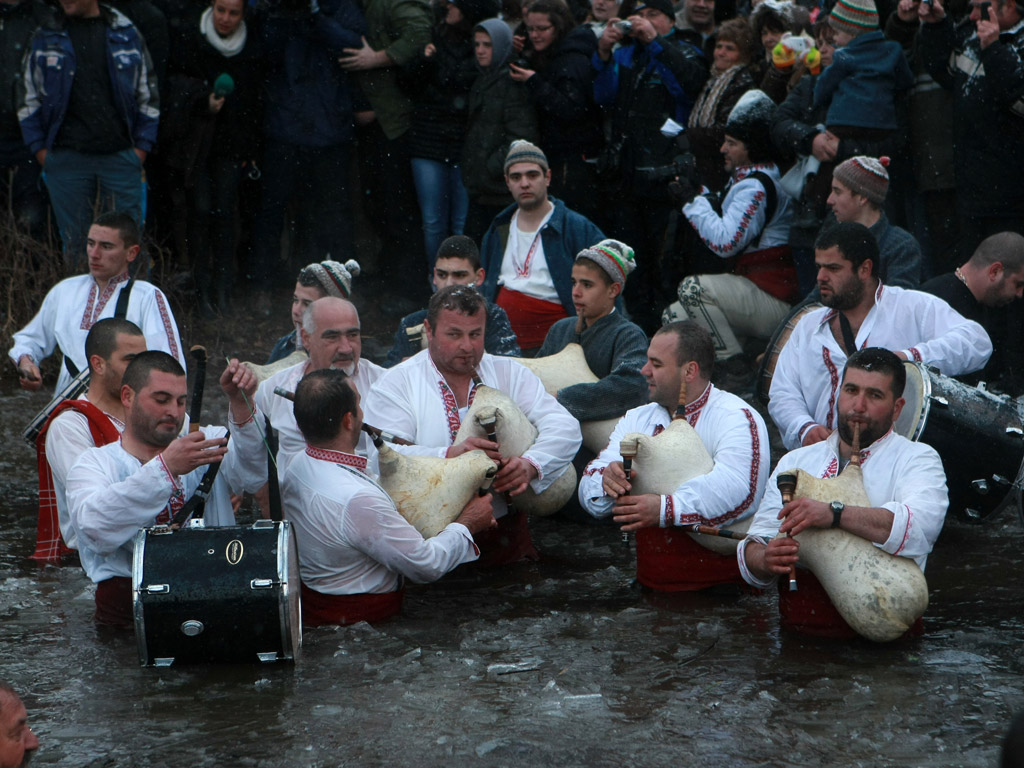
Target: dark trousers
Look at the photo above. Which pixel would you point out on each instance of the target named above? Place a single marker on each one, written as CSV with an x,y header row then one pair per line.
x,y
212,225
21,189
318,177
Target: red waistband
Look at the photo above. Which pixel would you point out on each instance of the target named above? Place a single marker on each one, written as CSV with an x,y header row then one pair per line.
x,y
530,318
114,602
771,270
668,560
319,608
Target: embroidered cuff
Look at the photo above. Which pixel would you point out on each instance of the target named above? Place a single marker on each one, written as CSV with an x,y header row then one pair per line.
x,y
803,430
745,572
667,516
170,475
540,472
913,354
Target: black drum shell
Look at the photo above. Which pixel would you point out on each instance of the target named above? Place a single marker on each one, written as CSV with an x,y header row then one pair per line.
x,y
239,582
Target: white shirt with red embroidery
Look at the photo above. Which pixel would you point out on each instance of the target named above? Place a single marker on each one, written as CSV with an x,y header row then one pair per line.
x,y
413,401
524,267
282,416
904,477
806,383
733,433
111,495
72,308
67,438
351,538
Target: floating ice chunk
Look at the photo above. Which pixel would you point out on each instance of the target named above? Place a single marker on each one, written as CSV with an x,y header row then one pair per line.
x,y
583,701
488,746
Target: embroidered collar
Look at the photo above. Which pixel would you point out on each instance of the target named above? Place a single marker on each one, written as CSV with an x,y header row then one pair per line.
x,y
97,301
337,457
451,404
865,453
745,170
693,408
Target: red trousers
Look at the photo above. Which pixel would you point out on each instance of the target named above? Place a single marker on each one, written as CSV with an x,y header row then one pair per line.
x,y
668,560
319,608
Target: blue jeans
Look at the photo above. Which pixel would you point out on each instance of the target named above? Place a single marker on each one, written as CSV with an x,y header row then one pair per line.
x,y
443,203
73,180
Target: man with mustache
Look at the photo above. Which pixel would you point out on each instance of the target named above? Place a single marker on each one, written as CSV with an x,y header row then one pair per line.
x,y
860,311
425,399
17,741
904,481
331,334
145,478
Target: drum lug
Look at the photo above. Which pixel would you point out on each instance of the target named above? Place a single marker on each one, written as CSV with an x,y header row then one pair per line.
x,y
156,589
270,656
160,530
264,524
980,486
163,661
1015,431
940,400
262,584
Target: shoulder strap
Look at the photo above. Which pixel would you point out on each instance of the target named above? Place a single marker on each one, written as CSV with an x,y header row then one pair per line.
x,y
770,204
121,309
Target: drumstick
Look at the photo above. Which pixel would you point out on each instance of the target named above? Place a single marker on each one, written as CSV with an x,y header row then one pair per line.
x,y
723,533
628,450
787,484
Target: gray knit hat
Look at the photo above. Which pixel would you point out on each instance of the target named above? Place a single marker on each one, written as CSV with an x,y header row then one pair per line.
x,y
523,151
866,176
335,279
613,257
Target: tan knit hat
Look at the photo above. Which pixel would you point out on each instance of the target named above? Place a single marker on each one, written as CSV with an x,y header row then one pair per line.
x,y
523,151
855,17
335,279
865,176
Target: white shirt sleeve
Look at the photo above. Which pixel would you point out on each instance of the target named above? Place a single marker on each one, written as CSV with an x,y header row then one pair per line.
x,y
950,342
591,489
920,486
38,339
742,219
793,398
374,527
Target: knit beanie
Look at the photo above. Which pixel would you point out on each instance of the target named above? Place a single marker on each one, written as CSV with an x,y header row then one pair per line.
x,y
665,6
865,176
334,278
750,122
855,17
613,257
523,151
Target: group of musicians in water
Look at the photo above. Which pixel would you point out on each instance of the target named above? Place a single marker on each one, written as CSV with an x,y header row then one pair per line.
x,y
119,457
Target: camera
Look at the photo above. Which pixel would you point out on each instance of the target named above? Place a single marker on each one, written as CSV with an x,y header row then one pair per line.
x,y
625,27
522,62
984,8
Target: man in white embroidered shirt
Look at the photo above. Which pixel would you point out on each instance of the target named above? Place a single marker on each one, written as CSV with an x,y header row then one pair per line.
x,y
668,559
904,482
859,310
147,476
74,305
354,546
424,400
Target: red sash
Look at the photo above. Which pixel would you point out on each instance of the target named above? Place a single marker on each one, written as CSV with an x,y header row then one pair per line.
x,y
772,271
510,542
114,602
668,560
50,546
319,608
530,318
809,610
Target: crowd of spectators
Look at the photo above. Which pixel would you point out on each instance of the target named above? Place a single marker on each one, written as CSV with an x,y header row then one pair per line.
x,y
218,124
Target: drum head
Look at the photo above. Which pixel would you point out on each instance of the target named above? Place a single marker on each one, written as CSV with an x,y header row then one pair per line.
x,y
766,370
916,394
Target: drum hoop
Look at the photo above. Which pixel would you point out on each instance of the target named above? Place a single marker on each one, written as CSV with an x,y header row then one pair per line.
x,y
926,400
138,560
285,549
760,391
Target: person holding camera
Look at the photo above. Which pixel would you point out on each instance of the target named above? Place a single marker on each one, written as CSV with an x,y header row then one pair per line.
x,y
980,61
649,84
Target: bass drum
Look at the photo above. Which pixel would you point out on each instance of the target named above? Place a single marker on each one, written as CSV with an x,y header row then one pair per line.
x,y
979,437
216,594
766,370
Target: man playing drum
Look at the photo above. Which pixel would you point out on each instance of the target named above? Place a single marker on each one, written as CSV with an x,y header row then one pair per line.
x,y
733,433
76,425
149,474
860,310
331,334
904,482
425,399
354,546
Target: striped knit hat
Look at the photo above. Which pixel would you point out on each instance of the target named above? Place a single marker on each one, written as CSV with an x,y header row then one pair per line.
x,y
335,279
855,17
613,257
865,176
523,151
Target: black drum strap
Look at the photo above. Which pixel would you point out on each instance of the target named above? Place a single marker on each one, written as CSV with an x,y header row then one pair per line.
x,y
273,484
196,505
848,341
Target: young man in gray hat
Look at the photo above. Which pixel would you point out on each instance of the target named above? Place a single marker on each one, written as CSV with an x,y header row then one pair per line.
x,y
528,251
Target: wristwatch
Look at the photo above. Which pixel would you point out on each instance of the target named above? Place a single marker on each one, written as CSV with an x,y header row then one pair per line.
x,y
837,508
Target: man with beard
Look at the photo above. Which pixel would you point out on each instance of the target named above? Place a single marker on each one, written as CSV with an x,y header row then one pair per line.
x,y
331,334
735,436
17,741
424,399
148,475
987,289
904,481
528,251
860,310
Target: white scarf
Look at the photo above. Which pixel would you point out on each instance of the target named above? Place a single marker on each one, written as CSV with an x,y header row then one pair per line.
x,y
225,46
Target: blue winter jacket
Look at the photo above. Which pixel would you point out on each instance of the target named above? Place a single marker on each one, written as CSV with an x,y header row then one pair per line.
x,y
860,85
566,234
308,95
45,87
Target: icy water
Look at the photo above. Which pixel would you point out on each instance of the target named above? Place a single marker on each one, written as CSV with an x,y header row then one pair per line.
x,y
556,663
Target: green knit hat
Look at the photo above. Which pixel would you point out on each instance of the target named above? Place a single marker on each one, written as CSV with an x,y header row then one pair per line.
x,y
855,17
613,257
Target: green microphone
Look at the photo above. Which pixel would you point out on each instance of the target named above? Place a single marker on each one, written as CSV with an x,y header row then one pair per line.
x,y
223,86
